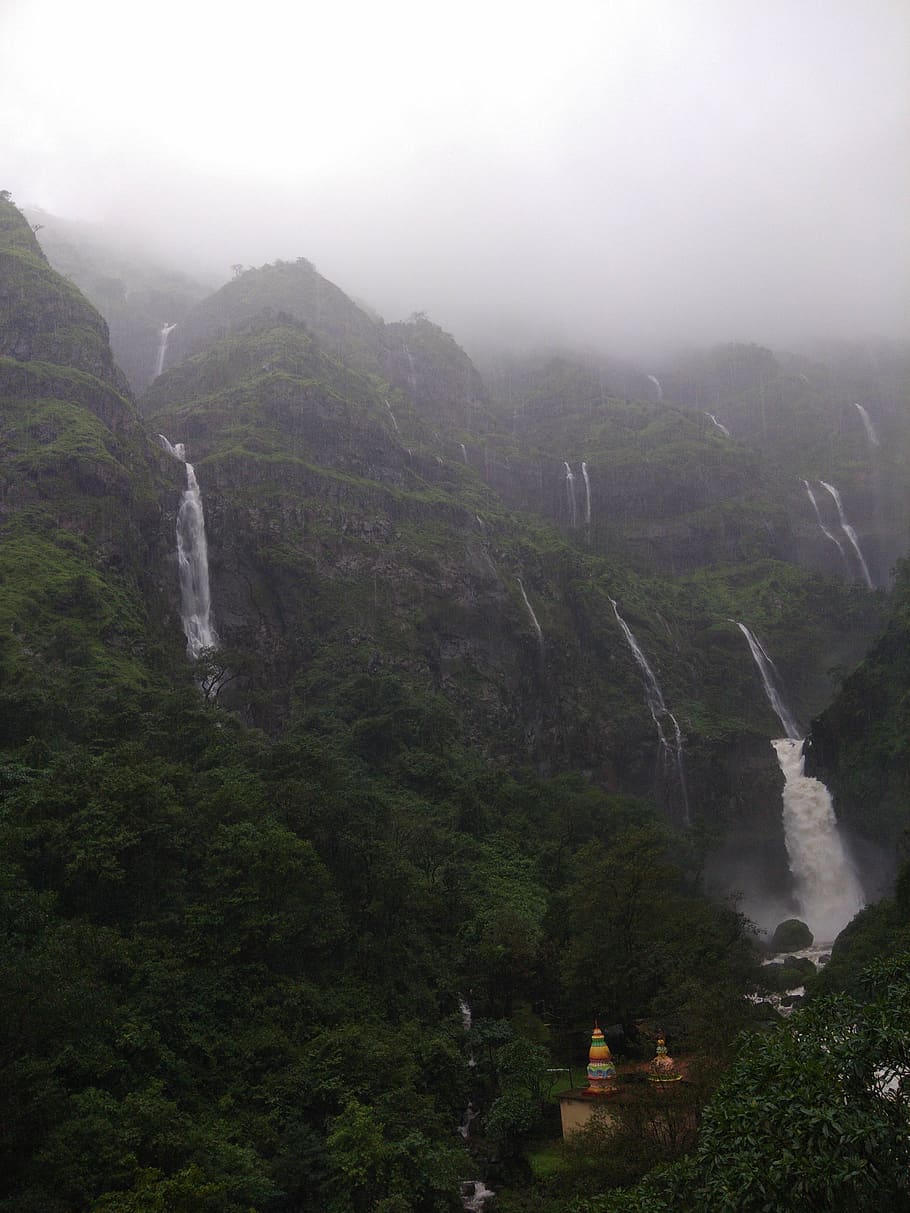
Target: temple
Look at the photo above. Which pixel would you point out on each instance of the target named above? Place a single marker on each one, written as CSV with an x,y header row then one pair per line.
x,y
610,1092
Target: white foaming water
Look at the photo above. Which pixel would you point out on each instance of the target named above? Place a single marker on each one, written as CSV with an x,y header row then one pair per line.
x,y
163,335
391,414
193,561
464,451
723,429
584,472
848,530
867,422
828,535
474,1195
769,677
658,709
537,627
827,887
656,382
570,493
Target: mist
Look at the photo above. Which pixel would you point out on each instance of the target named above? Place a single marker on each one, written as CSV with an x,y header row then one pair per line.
x,y
627,175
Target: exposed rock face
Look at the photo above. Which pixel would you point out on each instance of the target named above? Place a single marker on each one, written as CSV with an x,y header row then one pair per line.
x,y
79,521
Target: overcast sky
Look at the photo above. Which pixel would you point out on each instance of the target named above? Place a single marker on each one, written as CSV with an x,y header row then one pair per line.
x,y
625,171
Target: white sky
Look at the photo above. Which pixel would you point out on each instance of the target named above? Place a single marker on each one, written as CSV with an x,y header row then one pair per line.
x,y
625,171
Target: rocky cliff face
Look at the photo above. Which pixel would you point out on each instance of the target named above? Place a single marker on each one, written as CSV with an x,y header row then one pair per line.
x,y
78,509
375,514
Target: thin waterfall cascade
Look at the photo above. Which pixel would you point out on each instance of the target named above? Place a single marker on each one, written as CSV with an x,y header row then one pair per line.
x,y
192,561
770,681
392,415
656,382
718,425
660,713
163,336
867,422
848,531
570,494
584,473
533,617
827,888
413,375
828,534
464,452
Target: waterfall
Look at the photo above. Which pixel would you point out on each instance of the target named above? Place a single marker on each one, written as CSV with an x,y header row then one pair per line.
x,y
848,530
163,335
719,424
659,711
826,886
770,677
570,493
391,414
828,534
464,451
536,625
656,382
867,422
193,561
584,472
413,373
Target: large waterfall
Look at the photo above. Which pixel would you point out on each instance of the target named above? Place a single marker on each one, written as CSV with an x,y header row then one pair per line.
x,y
826,886
656,382
828,534
163,335
570,493
671,749
193,561
848,530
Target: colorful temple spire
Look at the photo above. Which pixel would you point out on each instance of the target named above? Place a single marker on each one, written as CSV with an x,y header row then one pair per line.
x,y
601,1070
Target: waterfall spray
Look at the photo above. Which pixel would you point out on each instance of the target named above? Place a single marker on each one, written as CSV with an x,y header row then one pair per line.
x,y
660,713
828,534
464,452
535,624
656,382
391,414
192,560
163,336
867,422
584,472
826,886
570,493
848,530
719,424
